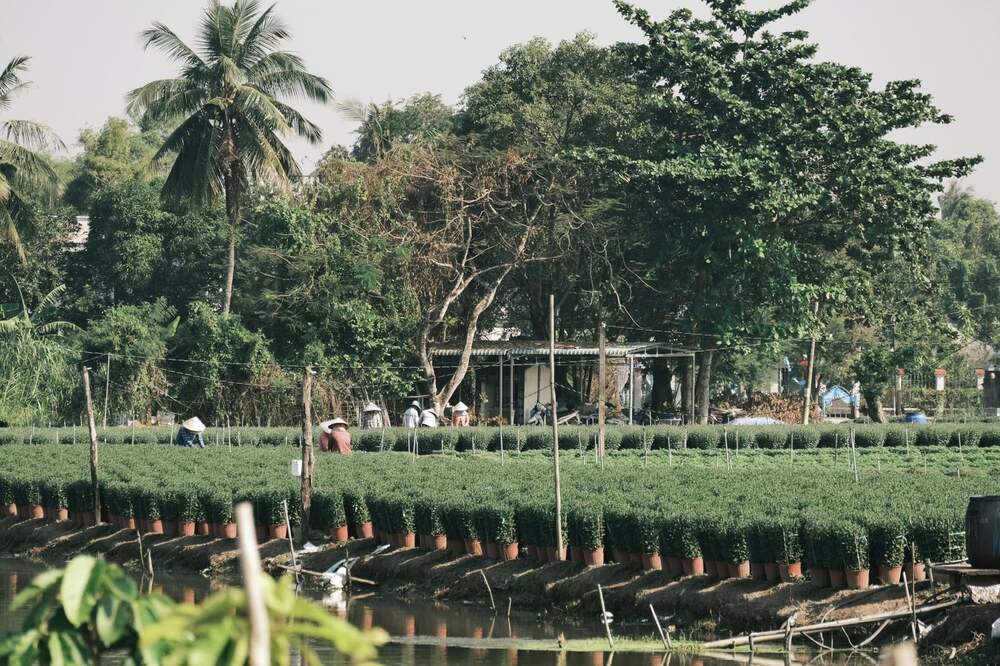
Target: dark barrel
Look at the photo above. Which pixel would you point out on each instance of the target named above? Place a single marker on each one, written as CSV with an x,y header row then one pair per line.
x,y
982,531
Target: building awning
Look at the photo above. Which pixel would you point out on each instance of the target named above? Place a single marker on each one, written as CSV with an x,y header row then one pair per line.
x,y
541,348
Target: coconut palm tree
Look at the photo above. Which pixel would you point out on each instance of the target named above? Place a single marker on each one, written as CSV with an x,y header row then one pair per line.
x,y
23,170
227,98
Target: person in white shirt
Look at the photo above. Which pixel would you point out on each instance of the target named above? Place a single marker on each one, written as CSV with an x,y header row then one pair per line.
x,y
411,417
428,418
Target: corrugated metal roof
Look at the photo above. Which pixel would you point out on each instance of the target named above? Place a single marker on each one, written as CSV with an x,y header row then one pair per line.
x,y
541,348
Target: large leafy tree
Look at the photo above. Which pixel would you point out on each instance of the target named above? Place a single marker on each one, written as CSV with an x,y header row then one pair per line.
x,y
24,171
552,102
765,173
229,100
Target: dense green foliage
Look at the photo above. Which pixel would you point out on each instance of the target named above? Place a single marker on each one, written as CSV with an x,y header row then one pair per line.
x,y
757,504
715,149
93,609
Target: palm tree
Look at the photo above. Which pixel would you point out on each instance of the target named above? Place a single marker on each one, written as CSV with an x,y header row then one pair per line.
x,y
23,170
227,101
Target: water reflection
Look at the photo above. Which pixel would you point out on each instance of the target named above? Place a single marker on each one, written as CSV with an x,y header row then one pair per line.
x,y
426,632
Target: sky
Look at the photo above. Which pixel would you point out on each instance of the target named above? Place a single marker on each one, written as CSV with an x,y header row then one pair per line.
x,y
87,55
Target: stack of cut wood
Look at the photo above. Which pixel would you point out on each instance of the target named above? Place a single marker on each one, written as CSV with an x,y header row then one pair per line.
x,y
786,409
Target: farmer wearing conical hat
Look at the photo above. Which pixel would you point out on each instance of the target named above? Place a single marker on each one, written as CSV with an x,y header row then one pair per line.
x,y
411,417
190,434
371,416
334,437
460,414
429,418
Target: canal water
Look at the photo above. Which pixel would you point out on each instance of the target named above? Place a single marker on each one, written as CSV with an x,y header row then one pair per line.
x,y
425,632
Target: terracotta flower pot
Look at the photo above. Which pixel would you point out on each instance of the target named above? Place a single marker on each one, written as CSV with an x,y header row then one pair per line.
x,y
10,510
186,528
556,555
820,576
62,514
693,566
890,575
156,526
789,572
712,569
457,547
508,552
204,529
340,534
408,540
757,571
230,531
652,562
170,527
771,572
739,569
674,566
915,572
188,596
474,547
492,550
857,580
364,530
837,579
38,511
593,557
279,531
439,542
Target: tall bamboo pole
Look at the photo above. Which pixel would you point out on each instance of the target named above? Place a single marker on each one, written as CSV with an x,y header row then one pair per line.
x,y
92,427
107,391
602,361
555,422
809,372
500,409
307,453
260,631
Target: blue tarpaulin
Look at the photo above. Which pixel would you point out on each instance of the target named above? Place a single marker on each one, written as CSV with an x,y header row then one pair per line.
x,y
836,393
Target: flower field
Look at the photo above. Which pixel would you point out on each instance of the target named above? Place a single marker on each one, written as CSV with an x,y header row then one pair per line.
x,y
759,511
434,440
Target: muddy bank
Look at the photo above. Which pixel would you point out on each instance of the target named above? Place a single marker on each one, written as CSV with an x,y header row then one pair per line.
x,y
700,608
58,542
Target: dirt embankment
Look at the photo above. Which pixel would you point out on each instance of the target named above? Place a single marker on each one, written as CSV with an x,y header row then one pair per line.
x,y
700,607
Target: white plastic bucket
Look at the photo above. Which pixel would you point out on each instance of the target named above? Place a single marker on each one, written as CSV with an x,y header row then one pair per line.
x,y
296,468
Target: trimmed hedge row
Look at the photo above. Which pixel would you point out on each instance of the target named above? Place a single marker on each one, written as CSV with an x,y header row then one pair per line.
x,y
758,505
528,438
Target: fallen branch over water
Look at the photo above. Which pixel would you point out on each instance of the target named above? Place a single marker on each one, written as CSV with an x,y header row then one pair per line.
x,y
780,634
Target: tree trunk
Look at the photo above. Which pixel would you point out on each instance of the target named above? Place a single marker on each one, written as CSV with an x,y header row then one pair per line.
x,y
703,387
233,216
685,371
663,396
873,408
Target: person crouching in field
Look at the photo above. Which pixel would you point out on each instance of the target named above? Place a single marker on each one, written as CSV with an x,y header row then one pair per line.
x,y
190,434
334,437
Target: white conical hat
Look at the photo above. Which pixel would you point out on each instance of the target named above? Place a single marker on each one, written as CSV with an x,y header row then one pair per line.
x,y
372,407
193,424
460,407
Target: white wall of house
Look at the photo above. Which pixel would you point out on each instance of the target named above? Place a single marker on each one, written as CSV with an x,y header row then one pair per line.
x,y
537,387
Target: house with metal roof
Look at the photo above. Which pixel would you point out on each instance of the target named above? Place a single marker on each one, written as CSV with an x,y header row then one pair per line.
x,y
507,378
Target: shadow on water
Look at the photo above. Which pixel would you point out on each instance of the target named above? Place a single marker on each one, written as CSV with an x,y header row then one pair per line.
x,y
425,632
